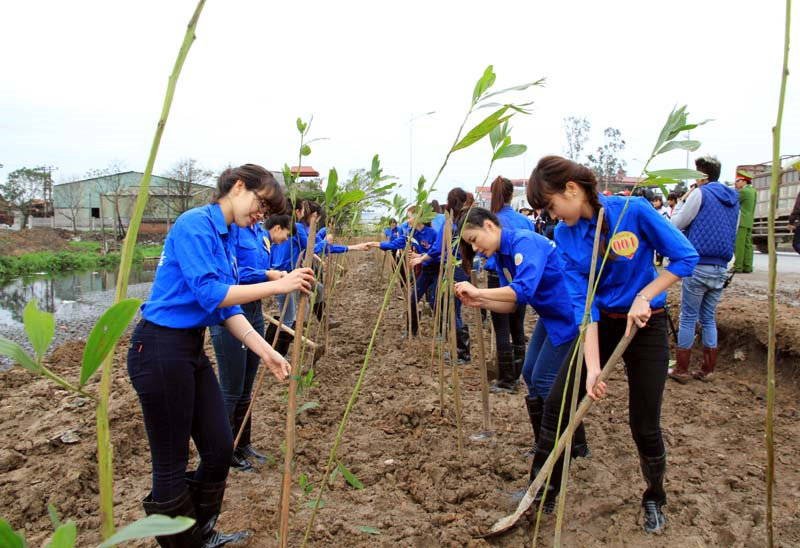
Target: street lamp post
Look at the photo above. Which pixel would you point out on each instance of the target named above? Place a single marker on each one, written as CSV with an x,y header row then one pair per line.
x,y
411,152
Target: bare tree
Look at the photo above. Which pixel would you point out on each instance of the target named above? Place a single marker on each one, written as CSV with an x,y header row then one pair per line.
x,y
606,163
113,188
577,130
178,195
71,197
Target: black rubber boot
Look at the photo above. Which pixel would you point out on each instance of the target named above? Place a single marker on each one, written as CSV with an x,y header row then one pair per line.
x,y
580,448
505,369
239,461
535,408
284,343
245,447
518,352
462,345
544,445
207,499
654,498
180,506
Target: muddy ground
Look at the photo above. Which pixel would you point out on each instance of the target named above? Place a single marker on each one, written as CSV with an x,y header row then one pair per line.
x,y
418,490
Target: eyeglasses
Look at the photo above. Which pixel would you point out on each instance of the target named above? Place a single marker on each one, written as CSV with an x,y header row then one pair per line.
x,y
263,203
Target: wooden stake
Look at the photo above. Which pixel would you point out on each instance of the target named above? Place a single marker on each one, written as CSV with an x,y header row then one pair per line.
x,y
487,419
286,486
291,332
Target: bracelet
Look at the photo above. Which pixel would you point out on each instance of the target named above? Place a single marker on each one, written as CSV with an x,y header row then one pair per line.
x,y
246,333
643,297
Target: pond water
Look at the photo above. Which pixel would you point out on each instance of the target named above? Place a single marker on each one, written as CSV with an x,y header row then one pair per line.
x,y
70,296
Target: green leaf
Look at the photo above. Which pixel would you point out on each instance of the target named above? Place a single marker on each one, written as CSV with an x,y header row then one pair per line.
x,y
677,173
368,529
682,145
495,137
521,87
350,477
301,127
39,326
306,406
9,538
105,334
332,186
51,510
349,198
305,150
482,129
151,526
375,172
484,82
312,503
14,351
510,151
65,536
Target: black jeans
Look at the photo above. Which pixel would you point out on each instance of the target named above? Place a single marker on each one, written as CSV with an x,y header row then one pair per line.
x,y
646,362
508,328
180,398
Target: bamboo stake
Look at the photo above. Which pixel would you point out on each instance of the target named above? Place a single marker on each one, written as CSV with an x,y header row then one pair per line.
x,y
453,343
773,264
437,313
487,418
576,371
407,264
286,486
261,375
586,404
292,332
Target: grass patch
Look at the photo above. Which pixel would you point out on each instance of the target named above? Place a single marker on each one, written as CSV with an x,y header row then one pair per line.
x,y
84,257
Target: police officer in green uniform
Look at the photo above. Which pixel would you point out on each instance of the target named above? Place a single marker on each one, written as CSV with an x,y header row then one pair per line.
x,y
743,253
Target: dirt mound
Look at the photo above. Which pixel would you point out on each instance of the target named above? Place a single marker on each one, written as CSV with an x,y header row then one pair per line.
x,y
19,242
419,489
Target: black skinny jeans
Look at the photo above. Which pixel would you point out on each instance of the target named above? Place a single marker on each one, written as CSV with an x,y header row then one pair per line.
x,y
508,328
646,362
180,399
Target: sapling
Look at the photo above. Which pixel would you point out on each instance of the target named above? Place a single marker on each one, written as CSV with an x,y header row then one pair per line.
x,y
773,269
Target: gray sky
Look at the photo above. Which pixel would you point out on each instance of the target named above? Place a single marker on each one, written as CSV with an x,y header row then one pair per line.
x,y
82,82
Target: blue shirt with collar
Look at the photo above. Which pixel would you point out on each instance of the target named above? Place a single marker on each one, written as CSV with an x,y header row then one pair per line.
x,y
629,267
528,263
514,220
405,229
392,233
252,253
438,222
422,241
435,252
321,245
197,267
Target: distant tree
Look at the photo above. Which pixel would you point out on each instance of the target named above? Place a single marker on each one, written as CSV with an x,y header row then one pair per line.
x,y
72,196
577,130
21,188
606,162
179,192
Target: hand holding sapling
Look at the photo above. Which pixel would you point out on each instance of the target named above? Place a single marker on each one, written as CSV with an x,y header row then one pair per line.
x,y
301,279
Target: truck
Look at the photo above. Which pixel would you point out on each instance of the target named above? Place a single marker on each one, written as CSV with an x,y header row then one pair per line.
x,y
788,188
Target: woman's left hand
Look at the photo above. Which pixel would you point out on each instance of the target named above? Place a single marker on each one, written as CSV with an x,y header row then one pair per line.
x,y
639,314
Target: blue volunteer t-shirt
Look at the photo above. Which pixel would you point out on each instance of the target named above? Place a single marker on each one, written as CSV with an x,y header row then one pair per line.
x,y
197,267
629,267
528,263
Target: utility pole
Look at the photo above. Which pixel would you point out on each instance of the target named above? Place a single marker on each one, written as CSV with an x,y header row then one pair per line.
x,y
47,190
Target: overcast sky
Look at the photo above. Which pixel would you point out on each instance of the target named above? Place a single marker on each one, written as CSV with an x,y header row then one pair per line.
x,y
82,82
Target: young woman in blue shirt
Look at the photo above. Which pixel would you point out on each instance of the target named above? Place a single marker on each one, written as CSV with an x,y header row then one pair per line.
x,y
509,329
196,285
530,274
457,202
630,292
238,365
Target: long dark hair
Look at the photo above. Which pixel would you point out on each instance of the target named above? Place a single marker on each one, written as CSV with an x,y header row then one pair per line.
x,y
255,178
551,175
502,192
476,217
456,199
